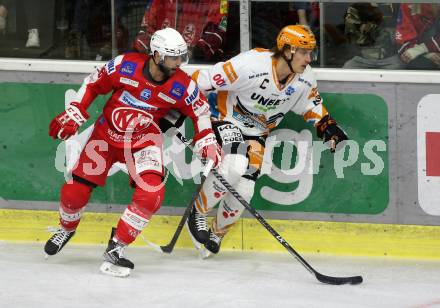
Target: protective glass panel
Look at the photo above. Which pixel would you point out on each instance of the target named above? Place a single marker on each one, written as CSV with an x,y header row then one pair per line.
x,y
268,18
389,35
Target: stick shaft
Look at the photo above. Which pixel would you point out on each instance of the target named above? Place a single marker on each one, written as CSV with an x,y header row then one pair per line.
x,y
322,278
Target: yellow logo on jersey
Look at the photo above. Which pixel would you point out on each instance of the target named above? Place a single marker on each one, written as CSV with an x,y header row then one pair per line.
x,y
230,72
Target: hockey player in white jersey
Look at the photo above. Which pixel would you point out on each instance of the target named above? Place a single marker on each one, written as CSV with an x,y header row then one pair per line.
x,y
250,94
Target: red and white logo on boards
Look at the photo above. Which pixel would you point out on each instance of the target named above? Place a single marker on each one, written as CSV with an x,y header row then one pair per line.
x,y
428,153
127,119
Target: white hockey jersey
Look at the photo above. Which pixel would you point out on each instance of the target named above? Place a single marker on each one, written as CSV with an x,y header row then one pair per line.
x,y
250,96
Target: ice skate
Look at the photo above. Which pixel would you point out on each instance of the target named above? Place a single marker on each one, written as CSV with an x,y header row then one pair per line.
x,y
57,241
214,242
197,228
114,262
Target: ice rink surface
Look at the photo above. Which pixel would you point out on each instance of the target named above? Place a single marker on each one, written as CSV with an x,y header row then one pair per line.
x,y
231,279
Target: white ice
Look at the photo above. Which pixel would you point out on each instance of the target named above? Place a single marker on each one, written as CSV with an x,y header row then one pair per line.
x,y
230,279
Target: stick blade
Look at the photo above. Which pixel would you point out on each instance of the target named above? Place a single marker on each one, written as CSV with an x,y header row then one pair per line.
x,y
339,280
155,246
167,248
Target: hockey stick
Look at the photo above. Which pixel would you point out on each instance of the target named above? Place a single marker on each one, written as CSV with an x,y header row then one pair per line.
x,y
322,278
170,246
168,125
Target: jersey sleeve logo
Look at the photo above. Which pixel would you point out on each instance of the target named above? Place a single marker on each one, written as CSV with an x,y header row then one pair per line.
x,y
230,72
110,67
193,94
127,68
177,90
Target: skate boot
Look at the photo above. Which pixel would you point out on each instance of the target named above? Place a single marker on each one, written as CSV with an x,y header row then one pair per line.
x,y
57,241
198,227
214,242
114,262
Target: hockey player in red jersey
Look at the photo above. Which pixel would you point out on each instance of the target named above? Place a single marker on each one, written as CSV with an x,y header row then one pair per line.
x,y
143,89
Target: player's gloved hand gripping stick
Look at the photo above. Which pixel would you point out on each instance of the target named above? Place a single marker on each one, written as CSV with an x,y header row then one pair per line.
x,y
328,130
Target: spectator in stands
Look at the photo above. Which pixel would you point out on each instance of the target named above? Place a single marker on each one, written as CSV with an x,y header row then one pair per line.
x,y
30,19
266,21
371,38
308,14
202,24
418,35
3,16
35,20
90,35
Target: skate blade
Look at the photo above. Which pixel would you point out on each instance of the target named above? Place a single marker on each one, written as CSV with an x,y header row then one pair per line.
x,y
114,270
196,243
151,244
205,253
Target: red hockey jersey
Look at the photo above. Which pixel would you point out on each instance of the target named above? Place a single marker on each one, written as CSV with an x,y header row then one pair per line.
x,y
187,17
136,104
413,21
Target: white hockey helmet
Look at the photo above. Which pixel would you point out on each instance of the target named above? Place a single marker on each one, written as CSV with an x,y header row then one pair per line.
x,y
169,43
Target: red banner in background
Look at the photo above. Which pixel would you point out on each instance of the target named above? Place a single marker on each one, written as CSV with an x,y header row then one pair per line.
x,y
433,153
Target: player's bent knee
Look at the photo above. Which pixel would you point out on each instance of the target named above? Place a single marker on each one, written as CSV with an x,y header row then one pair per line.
x,y
233,167
245,188
149,194
75,195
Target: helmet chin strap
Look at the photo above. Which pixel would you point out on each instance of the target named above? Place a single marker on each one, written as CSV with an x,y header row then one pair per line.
x,y
288,61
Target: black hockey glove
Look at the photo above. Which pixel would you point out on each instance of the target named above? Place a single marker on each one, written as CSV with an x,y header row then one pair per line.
x,y
328,130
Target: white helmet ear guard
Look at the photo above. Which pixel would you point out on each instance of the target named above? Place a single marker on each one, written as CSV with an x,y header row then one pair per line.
x,y
169,43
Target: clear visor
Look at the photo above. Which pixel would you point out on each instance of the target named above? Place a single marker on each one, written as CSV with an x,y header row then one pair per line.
x,y
183,58
313,53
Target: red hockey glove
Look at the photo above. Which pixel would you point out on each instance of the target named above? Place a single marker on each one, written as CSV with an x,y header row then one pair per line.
x,y
328,129
206,147
67,123
209,47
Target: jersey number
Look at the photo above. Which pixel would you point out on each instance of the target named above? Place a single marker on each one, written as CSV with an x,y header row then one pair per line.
x,y
219,80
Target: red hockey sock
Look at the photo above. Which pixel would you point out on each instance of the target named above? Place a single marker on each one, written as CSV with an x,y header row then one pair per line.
x,y
74,197
144,204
